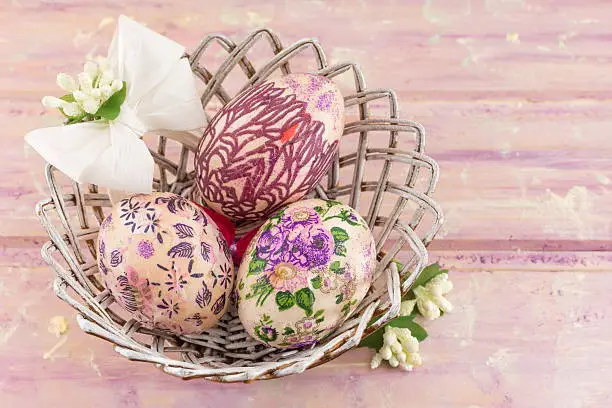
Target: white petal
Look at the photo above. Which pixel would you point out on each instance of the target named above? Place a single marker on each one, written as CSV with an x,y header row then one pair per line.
x,y
376,360
401,357
407,306
91,68
52,102
385,352
72,109
389,336
393,362
175,103
85,81
116,85
91,105
80,96
105,79
66,82
443,304
142,57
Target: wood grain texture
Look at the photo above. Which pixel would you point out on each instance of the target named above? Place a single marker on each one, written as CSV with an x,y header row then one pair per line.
x,y
515,96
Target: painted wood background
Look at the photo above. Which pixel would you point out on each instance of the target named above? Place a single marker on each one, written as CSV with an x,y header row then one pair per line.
x,y
515,95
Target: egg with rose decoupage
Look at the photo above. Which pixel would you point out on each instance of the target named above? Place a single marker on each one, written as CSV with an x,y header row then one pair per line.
x,y
269,146
165,262
304,272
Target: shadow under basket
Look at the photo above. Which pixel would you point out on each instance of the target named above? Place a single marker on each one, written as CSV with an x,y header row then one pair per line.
x,y
388,179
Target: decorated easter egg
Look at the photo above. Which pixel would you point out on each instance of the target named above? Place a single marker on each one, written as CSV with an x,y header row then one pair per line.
x,y
304,272
164,261
269,146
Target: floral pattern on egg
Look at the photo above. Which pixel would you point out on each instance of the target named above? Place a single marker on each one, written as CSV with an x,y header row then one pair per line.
x,y
269,146
304,273
165,262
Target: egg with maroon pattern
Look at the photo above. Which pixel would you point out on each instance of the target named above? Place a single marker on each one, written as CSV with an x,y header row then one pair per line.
x,y
165,262
269,146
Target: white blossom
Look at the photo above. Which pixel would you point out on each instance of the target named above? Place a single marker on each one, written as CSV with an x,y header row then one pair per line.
x,y
407,307
66,82
52,102
430,298
72,109
94,86
400,348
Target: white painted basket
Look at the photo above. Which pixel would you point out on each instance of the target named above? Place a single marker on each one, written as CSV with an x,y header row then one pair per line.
x,y
389,183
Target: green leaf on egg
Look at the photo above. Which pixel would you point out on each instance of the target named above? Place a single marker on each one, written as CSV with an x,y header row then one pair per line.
x,y
285,300
288,331
111,108
319,209
340,250
319,313
339,235
316,282
256,266
335,267
305,299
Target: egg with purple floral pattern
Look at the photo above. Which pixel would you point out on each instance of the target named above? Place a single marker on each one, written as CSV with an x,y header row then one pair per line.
x,y
269,146
304,272
165,262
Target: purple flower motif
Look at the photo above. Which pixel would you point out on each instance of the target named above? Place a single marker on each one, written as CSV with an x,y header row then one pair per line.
x,y
313,247
224,276
272,244
168,308
266,333
102,248
129,209
300,216
145,249
107,222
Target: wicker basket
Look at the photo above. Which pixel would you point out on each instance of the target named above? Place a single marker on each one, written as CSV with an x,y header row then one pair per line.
x,y
399,210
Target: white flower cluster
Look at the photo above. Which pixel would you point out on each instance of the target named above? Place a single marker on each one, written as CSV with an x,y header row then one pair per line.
x,y
430,298
94,86
400,349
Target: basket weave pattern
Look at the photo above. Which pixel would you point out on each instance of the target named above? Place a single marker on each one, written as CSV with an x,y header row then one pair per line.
x,y
402,215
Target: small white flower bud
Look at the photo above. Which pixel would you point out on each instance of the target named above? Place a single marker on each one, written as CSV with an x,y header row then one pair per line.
x,y
105,79
103,63
411,345
85,81
396,347
443,304
66,82
80,96
91,105
393,362
407,306
91,68
52,102
376,360
406,367
95,93
72,109
389,336
116,85
428,309
385,352
401,357
414,359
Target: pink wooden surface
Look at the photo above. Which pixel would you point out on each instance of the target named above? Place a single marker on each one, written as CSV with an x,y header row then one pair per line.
x,y
515,95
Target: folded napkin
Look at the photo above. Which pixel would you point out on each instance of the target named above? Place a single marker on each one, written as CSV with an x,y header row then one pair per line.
x,y
160,93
